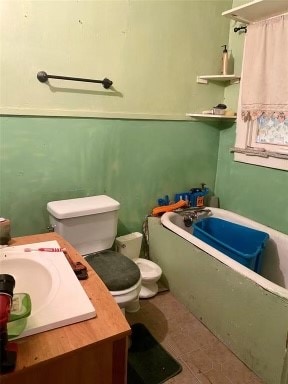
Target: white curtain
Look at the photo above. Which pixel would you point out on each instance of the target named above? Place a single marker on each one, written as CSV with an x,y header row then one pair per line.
x,y
265,70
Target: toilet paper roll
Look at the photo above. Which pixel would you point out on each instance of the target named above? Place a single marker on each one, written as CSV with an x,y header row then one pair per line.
x,y
5,228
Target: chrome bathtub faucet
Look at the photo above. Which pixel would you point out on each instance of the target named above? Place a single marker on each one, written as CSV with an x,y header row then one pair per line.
x,y
195,214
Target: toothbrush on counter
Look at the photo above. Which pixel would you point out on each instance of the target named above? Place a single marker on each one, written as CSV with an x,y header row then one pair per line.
x,y
45,249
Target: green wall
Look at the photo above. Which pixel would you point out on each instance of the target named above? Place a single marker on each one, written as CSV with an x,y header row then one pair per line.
x,y
133,161
256,192
151,50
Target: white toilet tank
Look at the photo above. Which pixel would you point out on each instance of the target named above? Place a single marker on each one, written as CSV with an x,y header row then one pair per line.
x,y
130,245
88,223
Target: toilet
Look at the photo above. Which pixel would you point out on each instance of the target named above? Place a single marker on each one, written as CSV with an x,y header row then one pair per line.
x,y
89,224
130,246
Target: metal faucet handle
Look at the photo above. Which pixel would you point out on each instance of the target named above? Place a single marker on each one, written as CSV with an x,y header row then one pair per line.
x,y
194,215
51,228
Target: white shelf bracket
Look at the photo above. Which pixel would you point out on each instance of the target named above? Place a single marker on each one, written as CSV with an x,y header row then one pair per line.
x,y
235,81
200,80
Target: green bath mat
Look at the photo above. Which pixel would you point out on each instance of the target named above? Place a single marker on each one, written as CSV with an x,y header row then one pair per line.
x,y
148,362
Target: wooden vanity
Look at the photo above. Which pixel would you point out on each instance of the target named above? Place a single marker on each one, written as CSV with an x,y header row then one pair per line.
x,y
92,351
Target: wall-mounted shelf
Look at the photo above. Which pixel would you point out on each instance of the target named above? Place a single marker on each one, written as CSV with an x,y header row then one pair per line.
x,y
257,10
200,116
204,79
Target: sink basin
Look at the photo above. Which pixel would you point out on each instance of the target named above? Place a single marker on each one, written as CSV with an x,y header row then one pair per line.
x,y
57,296
29,274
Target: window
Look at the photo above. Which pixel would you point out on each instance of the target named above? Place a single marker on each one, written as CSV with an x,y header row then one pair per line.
x,y
262,119
263,141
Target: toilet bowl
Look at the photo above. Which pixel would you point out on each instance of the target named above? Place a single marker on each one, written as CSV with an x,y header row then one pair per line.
x,y
127,297
150,274
90,226
130,245
119,275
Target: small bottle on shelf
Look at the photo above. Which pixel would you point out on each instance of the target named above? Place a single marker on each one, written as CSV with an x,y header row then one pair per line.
x,y
225,61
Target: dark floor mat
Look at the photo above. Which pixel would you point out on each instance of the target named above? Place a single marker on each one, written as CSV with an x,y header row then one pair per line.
x,y
148,362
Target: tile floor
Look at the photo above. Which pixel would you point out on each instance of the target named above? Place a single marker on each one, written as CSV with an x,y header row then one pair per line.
x,y
204,359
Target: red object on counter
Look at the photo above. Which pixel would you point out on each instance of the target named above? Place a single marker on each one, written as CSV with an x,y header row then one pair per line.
x,y
5,306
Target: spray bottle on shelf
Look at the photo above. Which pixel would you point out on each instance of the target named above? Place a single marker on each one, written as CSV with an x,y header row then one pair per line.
x,y
225,61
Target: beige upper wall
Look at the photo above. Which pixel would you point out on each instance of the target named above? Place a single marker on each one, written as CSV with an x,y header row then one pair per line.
x,y
236,44
151,50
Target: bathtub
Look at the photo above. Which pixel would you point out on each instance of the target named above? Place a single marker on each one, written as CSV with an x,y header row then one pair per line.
x,y
245,310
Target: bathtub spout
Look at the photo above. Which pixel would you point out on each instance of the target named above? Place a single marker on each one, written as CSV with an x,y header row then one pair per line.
x,y
188,220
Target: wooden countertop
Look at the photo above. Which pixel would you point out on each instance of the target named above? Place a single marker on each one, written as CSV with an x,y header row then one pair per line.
x,y
109,324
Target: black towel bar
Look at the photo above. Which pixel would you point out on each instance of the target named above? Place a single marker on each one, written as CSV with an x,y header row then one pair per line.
x,y
242,28
43,77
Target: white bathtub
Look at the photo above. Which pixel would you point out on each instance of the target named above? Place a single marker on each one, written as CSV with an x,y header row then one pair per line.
x,y
246,310
275,257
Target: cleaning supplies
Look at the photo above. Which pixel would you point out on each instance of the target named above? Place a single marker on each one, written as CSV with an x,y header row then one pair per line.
x,y
194,197
225,61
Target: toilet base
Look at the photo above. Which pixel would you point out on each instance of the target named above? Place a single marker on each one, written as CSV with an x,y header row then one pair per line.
x,y
148,290
133,306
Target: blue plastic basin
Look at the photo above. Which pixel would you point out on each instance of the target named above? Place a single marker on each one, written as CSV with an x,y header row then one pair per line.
x,y
241,243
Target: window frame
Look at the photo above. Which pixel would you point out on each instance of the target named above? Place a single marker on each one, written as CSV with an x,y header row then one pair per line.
x,y
262,154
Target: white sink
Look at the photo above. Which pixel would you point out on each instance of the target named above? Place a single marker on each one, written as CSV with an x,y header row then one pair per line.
x,y
57,296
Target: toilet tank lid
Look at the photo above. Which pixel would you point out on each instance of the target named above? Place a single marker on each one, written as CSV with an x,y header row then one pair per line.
x,y
84,206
